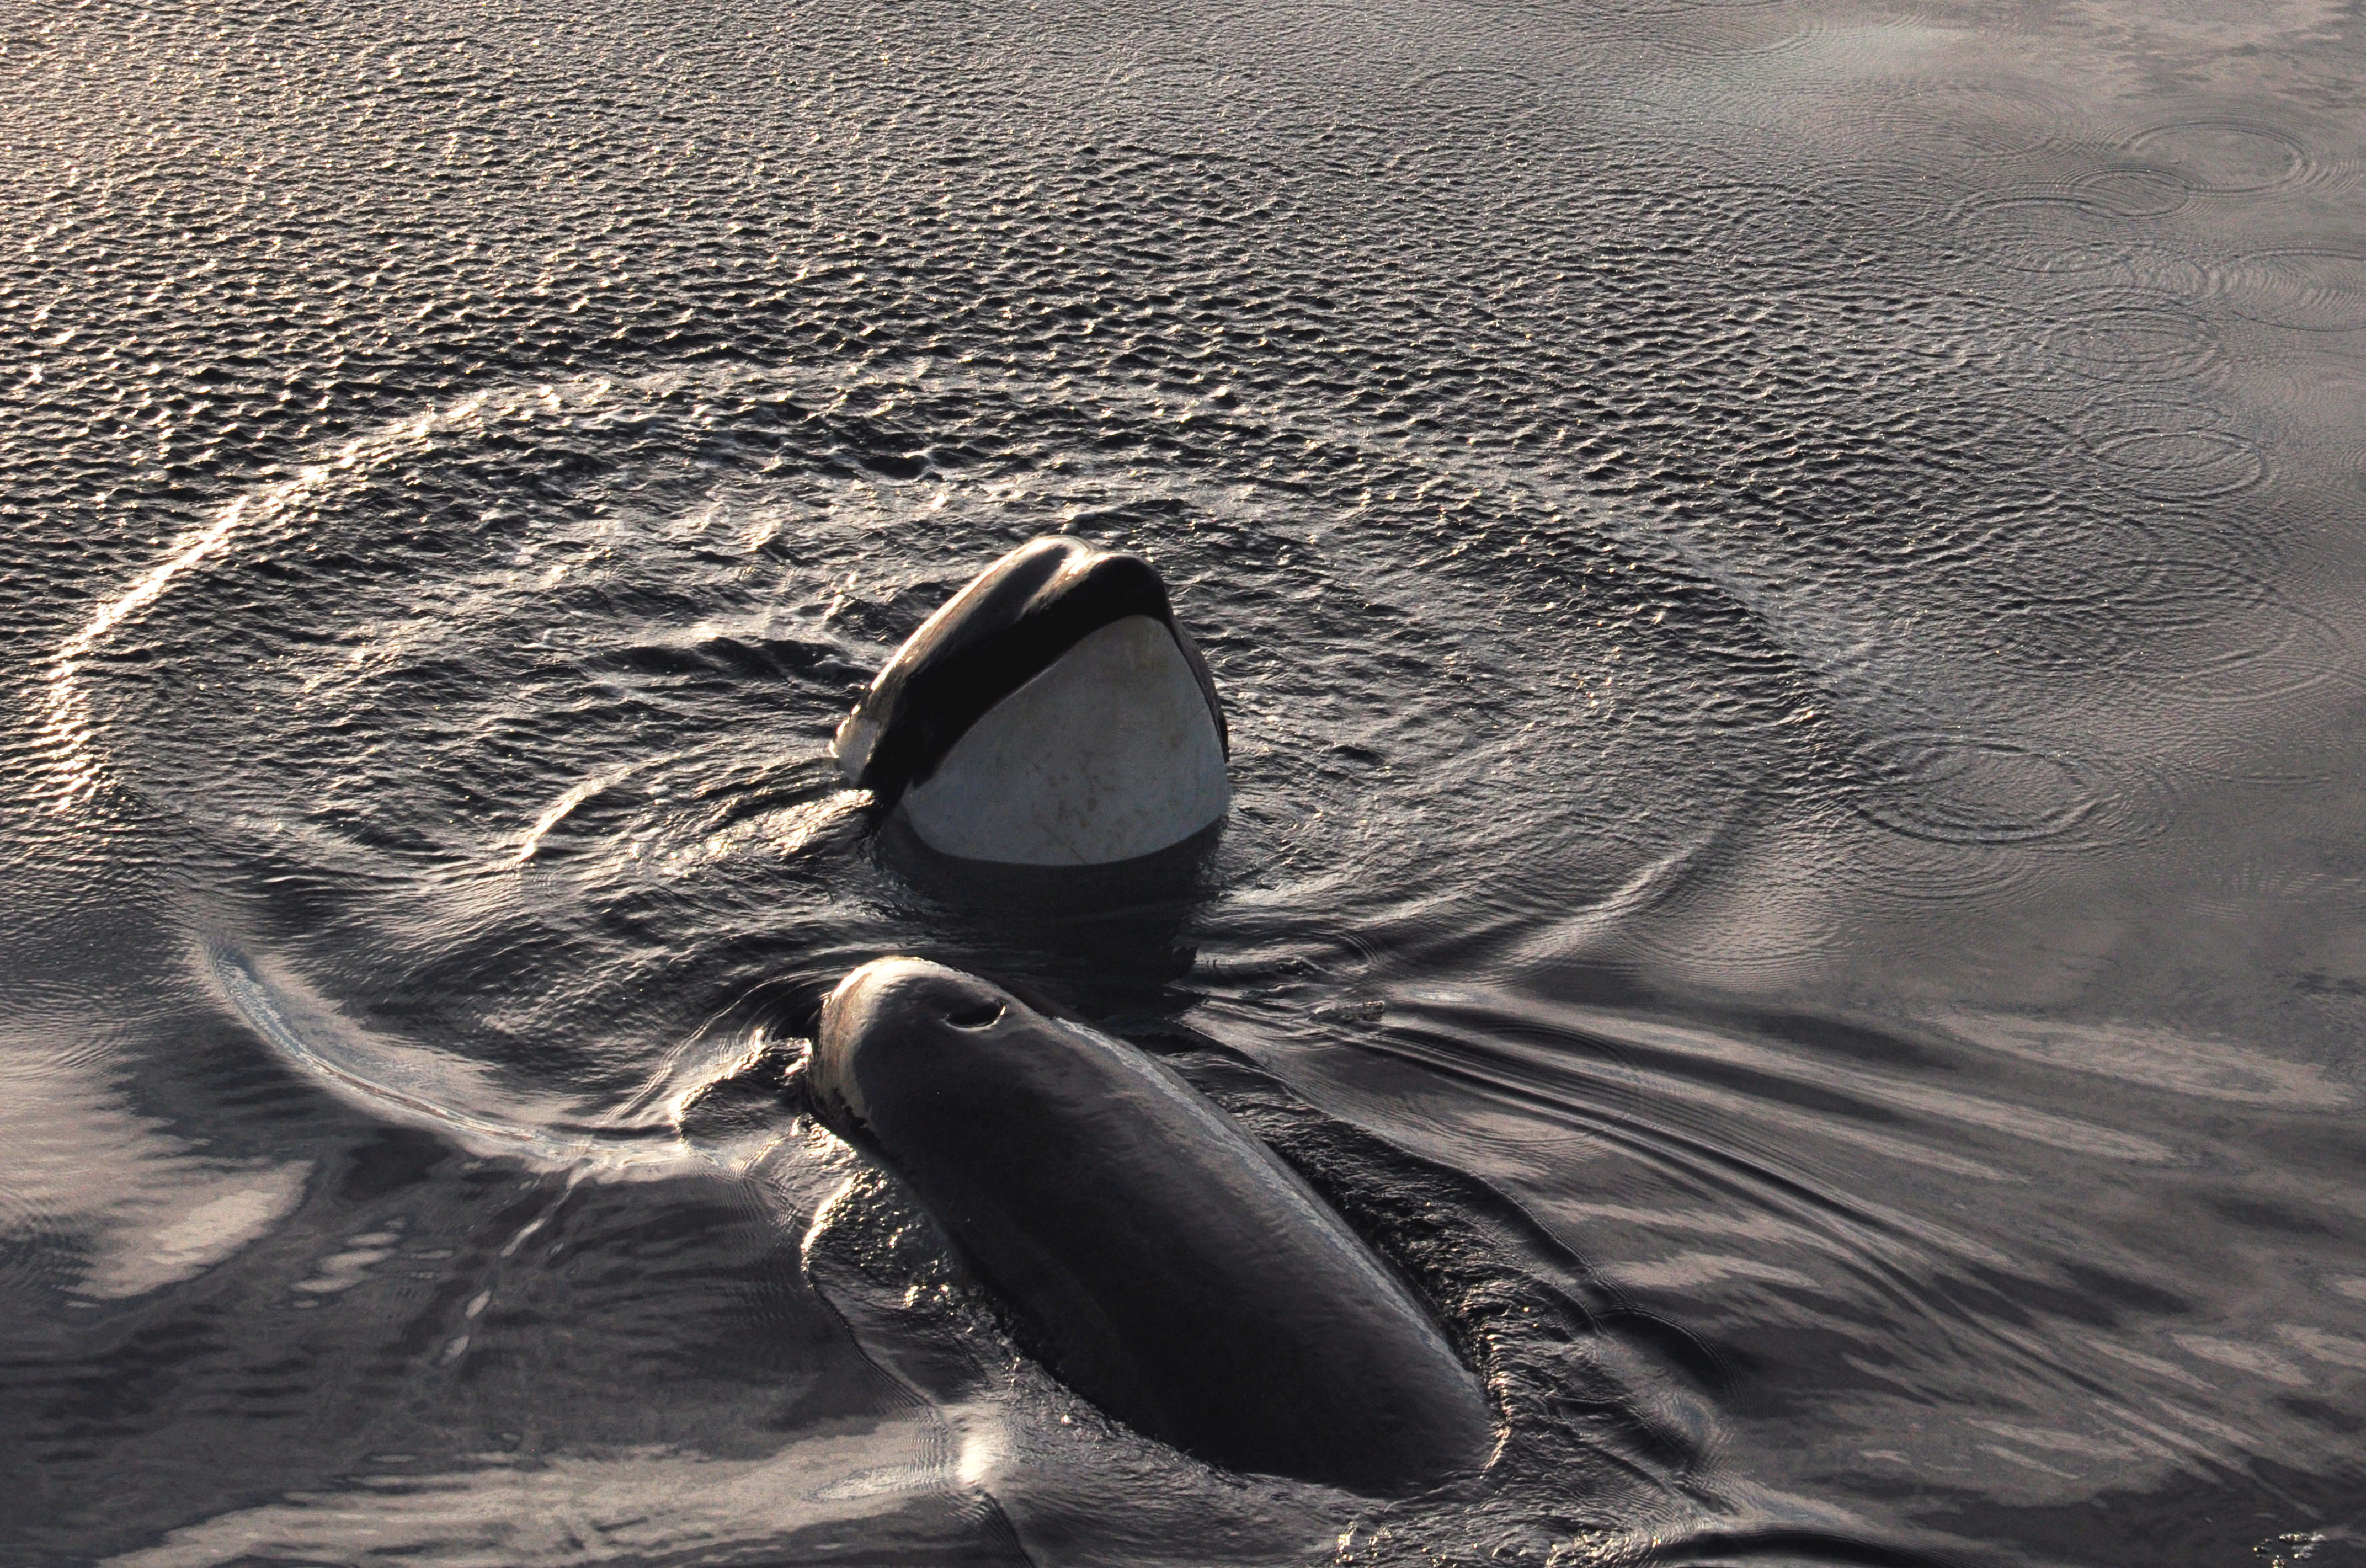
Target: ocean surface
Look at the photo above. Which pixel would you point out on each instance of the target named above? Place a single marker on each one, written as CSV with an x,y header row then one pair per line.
x,y
1786,582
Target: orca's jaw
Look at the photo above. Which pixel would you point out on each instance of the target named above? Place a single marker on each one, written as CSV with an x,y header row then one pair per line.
x,y
1109,754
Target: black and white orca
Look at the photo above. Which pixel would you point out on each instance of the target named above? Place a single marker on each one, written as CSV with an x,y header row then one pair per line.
x,y
1052,714
1158,1259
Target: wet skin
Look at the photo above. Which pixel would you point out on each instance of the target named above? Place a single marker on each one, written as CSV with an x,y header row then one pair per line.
x,y
1162,1262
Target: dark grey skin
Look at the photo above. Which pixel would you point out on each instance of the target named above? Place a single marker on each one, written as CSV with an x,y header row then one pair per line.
x,y
1164,1263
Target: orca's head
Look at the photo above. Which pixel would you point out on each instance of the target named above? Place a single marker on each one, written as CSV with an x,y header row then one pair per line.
x,y
890,1016
1052,715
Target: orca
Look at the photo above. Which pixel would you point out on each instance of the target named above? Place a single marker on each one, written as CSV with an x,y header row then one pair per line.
x,y
1157,1258
1051,714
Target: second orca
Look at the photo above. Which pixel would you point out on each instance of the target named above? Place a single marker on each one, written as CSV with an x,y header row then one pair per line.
x,y
1159,1260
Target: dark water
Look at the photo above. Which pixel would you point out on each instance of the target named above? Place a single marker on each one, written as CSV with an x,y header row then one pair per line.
x,y
1785,581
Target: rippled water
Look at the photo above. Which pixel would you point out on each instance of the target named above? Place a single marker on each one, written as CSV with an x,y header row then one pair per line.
x,y
1783,576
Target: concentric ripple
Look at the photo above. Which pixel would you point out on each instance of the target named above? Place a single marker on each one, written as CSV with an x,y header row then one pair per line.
x,y
2045,232
2311,290
2171,450
2225,156
1972,789
538,683
2132,340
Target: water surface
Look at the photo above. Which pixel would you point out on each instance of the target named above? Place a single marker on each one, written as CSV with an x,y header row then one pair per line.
x,y
1785,580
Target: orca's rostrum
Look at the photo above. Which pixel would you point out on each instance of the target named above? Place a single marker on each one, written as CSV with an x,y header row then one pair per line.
x,y
1052,714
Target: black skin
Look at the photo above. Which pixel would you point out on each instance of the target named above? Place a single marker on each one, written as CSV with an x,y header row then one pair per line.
x,y
1163,1263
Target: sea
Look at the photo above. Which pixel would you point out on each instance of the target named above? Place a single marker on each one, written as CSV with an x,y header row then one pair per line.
x,y
1785,580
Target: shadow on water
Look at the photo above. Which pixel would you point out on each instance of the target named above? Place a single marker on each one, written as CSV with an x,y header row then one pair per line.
x,y
1100,939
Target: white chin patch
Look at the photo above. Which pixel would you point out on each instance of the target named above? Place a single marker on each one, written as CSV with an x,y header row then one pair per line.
x,y
1109,753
